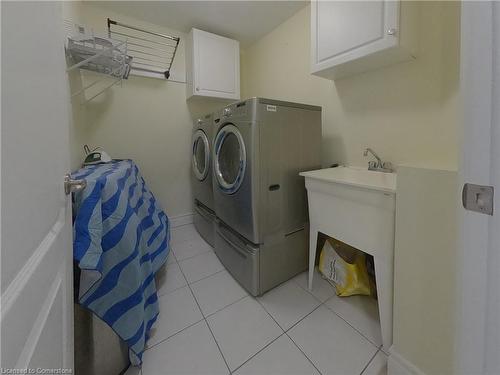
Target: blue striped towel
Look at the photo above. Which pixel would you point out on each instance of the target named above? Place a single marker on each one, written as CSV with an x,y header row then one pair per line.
x,y
121,239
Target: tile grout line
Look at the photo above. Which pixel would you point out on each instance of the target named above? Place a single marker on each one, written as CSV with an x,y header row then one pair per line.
x,y
173,243
230,304
370,361
182,225
166,266
310,292
192,256
206,322
297,346
333,311
172,335
305,355
170,291
173,290
199,307
211,332
265,346
205,277
268,313
322,303
272,341
317,307
285,331
354,328
192,324
187,282
305,316
218,346
260,350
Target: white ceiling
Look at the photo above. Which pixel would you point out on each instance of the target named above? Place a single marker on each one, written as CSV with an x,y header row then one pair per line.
x,y
246,21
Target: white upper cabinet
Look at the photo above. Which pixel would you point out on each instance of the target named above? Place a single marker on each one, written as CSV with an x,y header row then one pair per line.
x,y
349,37
212,65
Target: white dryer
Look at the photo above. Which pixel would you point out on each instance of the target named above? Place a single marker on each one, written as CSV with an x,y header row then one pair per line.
x,y
260,146
201,177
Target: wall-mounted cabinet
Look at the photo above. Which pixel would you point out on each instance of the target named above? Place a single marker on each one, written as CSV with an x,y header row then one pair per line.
x,y
349,37
212,66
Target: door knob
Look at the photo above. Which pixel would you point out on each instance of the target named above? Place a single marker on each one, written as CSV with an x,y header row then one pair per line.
x,y
71,185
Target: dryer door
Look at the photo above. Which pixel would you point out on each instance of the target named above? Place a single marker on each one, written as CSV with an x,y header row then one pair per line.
x,y
201,155
230,159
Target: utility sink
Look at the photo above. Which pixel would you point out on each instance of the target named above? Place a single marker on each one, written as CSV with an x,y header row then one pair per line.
x,y
354,176
357,206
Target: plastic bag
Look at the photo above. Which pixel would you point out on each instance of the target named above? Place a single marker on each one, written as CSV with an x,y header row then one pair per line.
x,y
345,267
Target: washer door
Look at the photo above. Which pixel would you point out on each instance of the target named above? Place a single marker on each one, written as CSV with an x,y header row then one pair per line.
x,y
230,159
201,155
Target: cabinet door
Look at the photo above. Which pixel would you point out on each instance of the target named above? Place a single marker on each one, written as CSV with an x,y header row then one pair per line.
x,y
217,66
343,31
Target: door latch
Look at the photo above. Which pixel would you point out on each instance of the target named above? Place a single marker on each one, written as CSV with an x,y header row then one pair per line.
x,y
71,185
478,198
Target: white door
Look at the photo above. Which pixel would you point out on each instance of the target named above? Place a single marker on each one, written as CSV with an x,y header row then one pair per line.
x,y
478,326
36,254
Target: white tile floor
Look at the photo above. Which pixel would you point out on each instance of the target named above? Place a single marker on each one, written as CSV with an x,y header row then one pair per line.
x,y
209,325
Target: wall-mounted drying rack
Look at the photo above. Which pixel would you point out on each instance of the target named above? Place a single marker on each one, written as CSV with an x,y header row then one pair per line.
x,y
152,52
101,55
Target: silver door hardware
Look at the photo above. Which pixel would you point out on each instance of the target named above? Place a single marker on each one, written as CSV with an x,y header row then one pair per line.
x,y
478,198
391,31
71,185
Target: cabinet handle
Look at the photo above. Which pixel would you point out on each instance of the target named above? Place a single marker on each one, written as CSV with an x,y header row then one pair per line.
x,y
197,89
391,31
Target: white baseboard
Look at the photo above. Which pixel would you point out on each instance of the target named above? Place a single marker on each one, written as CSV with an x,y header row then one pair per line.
x,y
177,221
398,365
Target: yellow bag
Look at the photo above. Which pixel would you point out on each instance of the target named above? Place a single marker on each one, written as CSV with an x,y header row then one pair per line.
x,y
345,267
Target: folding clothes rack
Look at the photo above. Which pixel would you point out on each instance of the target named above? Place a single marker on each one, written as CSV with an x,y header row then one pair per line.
x,y
102,55
151,52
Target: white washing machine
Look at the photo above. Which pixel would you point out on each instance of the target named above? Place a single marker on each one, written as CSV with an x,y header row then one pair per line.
x,y
201,177
260,146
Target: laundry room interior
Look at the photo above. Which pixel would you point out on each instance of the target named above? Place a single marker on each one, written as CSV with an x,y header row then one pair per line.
x,y
258,187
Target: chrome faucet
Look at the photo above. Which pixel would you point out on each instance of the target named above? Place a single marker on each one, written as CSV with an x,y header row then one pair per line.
x,y
378,165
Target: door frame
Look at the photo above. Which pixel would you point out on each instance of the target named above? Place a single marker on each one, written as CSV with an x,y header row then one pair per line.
x,y
478,156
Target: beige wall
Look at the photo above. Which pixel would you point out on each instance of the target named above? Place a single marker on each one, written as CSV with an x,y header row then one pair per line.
x,y
146,119
406,112
425,268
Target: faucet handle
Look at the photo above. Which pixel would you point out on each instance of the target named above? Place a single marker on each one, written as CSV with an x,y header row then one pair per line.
x,y
388,166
